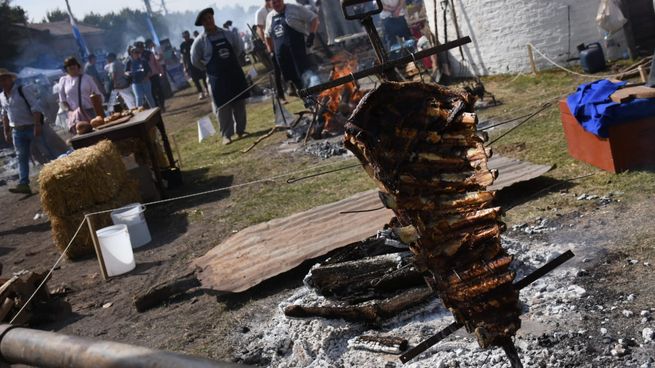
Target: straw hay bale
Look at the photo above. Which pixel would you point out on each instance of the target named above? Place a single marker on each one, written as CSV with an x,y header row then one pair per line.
x,y
87,177
64,227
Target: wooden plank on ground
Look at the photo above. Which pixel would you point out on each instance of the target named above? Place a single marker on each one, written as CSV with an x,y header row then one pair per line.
x,y
262,251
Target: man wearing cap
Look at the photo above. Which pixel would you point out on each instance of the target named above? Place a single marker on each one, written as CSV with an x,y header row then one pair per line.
x,y
286,28
22,117
216,51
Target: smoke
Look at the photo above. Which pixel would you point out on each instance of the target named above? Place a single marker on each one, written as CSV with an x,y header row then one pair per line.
x,y
122,28
179,22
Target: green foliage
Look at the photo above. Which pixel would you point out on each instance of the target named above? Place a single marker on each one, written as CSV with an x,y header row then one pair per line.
x,y
9,15
55,15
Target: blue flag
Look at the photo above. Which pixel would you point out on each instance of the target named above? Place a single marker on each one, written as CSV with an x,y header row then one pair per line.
x,y
151,27
84,51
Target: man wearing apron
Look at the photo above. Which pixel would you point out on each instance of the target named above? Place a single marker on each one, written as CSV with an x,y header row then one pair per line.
x,y
286,27
215,51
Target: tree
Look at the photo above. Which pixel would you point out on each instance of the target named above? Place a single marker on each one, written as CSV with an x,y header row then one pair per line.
x,y
10,15
55,15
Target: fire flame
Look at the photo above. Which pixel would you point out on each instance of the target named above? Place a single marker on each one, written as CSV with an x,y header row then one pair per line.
x,y
341,99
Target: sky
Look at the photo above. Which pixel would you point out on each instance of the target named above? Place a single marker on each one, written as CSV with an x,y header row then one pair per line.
x,y
36,9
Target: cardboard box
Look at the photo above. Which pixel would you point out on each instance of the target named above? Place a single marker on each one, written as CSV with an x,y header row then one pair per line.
x,y
630,145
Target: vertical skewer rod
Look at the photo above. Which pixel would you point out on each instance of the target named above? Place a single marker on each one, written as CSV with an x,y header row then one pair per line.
x,y
512,354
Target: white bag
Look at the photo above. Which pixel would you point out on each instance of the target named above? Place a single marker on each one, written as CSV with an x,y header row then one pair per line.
x,y
609,17
205,128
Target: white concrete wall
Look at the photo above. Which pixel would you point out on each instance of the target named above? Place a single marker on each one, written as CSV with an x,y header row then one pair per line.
x,y
501,29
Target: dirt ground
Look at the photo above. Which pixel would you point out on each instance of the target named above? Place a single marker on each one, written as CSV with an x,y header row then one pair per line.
x,y
619,261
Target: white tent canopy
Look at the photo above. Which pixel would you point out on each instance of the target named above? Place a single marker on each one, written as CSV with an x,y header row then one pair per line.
x,y
28,72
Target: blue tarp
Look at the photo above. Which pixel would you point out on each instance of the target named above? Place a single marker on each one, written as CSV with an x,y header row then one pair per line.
x,y
592,106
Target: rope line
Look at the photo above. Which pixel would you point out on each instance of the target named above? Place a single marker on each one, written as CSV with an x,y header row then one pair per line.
x,y
216,190
86,216
293,179
573,71
544,107
47,276
245,90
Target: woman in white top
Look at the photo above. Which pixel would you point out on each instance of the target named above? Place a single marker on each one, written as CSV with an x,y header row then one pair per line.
x,y
75,89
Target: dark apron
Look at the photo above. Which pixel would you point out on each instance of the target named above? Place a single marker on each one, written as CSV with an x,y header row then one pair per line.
x,y
289,50
225,75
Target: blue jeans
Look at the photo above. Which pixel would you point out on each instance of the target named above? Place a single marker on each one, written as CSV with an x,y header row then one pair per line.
x,y
143,93
395,27
22,141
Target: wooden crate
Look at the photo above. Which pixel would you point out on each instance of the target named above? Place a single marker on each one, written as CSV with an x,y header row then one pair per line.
x,y
630,145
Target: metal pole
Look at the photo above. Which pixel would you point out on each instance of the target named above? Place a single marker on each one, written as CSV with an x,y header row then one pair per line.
x,y
381,68
451,328
378,47
53,350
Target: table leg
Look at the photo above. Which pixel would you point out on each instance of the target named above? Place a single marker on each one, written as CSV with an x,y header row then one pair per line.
x,y
164,140
152,152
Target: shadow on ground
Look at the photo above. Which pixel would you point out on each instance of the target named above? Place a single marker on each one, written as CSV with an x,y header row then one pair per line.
x,y
22,230
523,192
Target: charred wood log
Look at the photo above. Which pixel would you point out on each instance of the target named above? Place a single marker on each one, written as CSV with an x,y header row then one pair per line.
x,y
370,247
370,311
349,276
15,293
364,279
379,344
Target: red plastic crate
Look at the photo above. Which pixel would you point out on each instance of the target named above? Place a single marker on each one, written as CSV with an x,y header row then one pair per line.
x,y
630,145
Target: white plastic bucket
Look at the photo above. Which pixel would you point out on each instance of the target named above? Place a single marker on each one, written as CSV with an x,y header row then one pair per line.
x,y
116,249
132,216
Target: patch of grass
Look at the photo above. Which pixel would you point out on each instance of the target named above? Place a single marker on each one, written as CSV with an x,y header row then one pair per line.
x,y
204,162
541,140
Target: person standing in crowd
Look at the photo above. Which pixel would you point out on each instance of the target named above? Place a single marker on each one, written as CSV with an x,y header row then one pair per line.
x,y
286,28
138,69
120,83
215,51
394,22
260,21
75,89
91,70
194,73
242,45
154,74
22,119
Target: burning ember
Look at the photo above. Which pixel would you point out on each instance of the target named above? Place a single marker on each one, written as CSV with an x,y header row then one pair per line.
x,y
342,99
